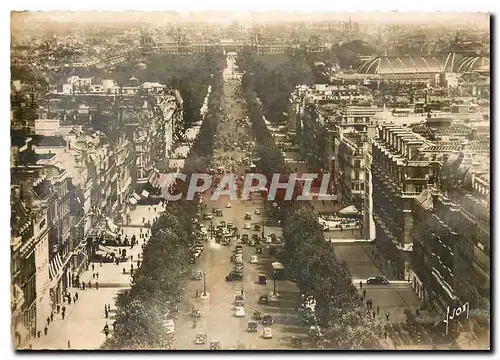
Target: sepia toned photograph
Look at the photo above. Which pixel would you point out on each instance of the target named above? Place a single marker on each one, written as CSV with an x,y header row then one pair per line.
x,y
243,180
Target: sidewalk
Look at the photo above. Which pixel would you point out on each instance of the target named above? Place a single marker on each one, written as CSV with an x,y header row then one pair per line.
x,y
85,320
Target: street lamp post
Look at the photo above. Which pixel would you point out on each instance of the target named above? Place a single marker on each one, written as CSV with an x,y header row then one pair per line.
x,y
211,229
204,283
274,283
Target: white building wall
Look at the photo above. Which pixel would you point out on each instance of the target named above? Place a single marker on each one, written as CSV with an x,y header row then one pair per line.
x,y
43,304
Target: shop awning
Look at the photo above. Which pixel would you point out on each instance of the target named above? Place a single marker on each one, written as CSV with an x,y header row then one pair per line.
x,y
132,200
54,266
349,210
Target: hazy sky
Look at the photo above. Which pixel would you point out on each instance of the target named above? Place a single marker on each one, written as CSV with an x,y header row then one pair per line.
x,y
270,16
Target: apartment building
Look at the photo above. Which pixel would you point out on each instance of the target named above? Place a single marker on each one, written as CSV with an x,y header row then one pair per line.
x,y
451,253
399,173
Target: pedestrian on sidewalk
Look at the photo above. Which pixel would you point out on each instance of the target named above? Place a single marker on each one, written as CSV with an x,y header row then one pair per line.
x,y
106,314
52,316
76,295
387,315
378,309
364,293
74,299
58,308
63,313
109,308
385,334
97,275
69,344
368,304
131,257
373,313
360,285
93,275
100,263
45,330
38,334
69,300
90,284
83,285
97,285
93,267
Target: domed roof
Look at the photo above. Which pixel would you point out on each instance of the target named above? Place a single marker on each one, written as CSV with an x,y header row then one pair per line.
x,y
402,65
472,63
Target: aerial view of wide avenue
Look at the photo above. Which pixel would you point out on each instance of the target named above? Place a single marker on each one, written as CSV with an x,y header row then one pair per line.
x,y
250,181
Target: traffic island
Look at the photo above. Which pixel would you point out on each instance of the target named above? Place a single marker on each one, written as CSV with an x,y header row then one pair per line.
x,y
204,296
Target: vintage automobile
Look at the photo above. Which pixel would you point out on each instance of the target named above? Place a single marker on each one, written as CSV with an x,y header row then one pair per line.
x,y
252,326
262,279
239,311
267,319
195,311
169,326
233,275
377,280
215,345
201,338
248,216
253,259
267,333
239,300
263,300
197,275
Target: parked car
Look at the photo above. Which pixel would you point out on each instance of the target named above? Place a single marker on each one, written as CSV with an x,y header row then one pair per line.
x,y
262,279
169,326
257,211
208,216
215,345
247,226
228,205
253,259
377,280
201,338
248,216
197,275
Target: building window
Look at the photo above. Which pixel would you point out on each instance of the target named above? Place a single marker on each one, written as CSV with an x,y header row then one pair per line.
x,y
356,175
362,186
357,164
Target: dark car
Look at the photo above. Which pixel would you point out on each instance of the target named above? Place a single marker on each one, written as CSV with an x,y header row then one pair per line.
x,y
234,276
263,300
262,279
267,320
377,280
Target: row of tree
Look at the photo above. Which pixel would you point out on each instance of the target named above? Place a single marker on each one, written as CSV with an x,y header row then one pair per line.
x,y
320,275
275,82
157,284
